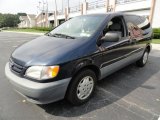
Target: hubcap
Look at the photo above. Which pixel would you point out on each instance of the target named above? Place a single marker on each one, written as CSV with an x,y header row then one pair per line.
x,y
145,57
85,87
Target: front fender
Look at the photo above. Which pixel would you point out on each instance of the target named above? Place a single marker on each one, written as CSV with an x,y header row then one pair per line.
x,y
85,63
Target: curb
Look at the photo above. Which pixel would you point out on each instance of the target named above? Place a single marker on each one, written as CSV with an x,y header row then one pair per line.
x,y
26,32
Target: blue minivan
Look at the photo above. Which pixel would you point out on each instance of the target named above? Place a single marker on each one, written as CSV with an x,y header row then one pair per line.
x,y
69,60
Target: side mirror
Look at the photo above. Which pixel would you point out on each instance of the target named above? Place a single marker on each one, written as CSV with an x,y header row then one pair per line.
x,y
111,37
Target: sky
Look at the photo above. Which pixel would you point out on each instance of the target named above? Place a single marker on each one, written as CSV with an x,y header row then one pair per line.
x,y
30,6
27,6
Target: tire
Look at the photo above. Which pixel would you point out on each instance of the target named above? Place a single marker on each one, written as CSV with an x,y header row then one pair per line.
x,y
84,82
142,62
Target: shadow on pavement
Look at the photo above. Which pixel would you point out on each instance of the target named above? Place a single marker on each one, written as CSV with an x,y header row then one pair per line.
x,y
109,90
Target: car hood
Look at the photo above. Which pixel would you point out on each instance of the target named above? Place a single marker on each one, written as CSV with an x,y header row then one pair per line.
x,y
47,50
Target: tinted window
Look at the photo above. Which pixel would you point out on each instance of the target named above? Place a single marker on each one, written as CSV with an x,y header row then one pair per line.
x,y
137,25
133,19
139,21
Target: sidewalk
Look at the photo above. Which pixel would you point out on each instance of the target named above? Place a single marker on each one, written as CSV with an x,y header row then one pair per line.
x,y
156,46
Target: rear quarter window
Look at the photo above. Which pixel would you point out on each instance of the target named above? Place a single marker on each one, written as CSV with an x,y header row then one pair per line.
x,y
137,25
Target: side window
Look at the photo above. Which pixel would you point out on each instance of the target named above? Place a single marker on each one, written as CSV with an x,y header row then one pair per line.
x,y
134,25
116,24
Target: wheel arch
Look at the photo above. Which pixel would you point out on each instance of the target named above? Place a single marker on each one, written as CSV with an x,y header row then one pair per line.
x,y
148,47
91,67
94,68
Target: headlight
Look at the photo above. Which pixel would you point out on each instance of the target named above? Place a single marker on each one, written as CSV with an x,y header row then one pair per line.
x,y
42,72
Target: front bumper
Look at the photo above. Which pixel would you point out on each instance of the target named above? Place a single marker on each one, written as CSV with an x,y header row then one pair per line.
x,y
39,93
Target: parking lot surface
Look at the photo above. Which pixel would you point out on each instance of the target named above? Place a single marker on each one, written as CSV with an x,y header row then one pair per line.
x,y
130,94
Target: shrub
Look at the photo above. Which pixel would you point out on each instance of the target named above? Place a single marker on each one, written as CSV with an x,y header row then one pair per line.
x,y
42,28
156,33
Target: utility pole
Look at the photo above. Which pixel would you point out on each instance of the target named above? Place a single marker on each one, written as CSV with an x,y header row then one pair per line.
x,y
68,9
43,13
47,22
62,6
68,3
55,16
40,13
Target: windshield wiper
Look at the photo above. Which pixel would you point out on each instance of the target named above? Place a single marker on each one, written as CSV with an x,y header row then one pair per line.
x,y
62,35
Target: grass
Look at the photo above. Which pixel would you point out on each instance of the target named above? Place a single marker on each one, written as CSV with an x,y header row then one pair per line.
x,y
156,41
26,30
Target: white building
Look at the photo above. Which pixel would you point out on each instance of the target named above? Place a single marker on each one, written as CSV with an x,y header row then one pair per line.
x,y
42,19
148,8
28,21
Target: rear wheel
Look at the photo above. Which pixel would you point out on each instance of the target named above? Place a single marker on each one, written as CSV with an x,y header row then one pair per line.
x,y
141,62
81,87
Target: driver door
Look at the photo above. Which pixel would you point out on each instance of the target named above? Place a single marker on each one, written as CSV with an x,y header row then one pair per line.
x,y
115,54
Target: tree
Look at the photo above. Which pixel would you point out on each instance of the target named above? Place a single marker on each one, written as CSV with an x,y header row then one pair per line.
x,y
9,20
21,14
1,20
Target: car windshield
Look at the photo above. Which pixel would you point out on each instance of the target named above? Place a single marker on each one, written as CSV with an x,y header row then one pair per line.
x,y
82,26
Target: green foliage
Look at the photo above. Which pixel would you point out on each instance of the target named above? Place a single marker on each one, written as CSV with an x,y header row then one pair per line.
x,y
156,30
43,28
9,20
21,14
156,33
38,28
34,29
156,41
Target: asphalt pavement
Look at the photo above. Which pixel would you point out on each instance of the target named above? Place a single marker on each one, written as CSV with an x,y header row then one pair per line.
x,y
129,94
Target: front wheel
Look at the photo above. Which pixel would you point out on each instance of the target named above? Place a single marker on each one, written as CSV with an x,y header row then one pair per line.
x,y
81,87
141,62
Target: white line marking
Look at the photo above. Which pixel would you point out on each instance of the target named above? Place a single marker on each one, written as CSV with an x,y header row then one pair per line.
x,y
126,101
15,46
159,118
22,41
7,41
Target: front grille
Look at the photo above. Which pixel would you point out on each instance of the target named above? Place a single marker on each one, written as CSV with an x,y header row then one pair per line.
x,y
16,68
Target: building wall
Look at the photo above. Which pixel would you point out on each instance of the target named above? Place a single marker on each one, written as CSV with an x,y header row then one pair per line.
x,y
31,22
41,20
24,24
138,7
131,6
98,10
27,22
140,12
